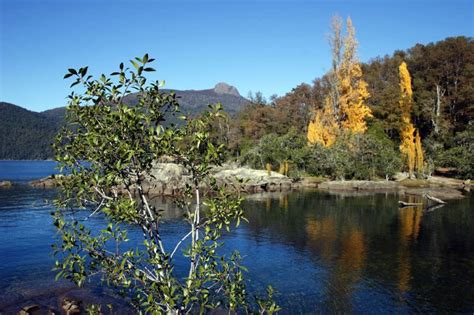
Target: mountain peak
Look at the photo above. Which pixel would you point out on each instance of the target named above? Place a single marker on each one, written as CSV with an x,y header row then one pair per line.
x,y
224,88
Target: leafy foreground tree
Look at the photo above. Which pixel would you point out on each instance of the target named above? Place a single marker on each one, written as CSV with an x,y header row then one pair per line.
x,y
109,149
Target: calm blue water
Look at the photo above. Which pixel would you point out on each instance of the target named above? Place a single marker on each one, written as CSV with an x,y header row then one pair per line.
x,y
323,253
22,171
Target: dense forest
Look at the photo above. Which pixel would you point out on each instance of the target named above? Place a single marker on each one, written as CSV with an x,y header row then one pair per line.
x,y
26,135
411,111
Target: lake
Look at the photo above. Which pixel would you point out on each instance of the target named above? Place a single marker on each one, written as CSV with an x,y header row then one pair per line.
x,y
322,252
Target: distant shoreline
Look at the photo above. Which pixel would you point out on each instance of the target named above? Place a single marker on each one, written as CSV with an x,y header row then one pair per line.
x,y
49,160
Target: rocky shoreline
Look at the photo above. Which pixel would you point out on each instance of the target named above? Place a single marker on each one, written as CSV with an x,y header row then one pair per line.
x,y
168,179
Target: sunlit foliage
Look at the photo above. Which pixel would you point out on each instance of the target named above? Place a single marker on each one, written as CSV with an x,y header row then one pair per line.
x,y
345,105
407,130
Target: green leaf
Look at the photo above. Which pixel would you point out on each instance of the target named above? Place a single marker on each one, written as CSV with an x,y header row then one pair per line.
x,y
134,64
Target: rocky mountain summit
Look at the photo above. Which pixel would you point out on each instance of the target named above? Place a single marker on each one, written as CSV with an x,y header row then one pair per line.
x,y
224,88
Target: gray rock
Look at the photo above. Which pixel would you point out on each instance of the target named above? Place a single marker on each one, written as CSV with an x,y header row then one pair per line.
x,y
5,184
171,179
400,176
47,182
224,88
443,193
254,180
359,185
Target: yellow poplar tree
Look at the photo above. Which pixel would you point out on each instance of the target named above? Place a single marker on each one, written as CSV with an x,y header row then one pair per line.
x,y
353,89
419,154
346,105
323,128
407,146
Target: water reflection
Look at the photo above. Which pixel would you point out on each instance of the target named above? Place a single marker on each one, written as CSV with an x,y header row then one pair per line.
x,y
368,249
410,219
322,252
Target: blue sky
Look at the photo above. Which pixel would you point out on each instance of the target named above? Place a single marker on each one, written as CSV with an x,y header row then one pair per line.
x,y
268,46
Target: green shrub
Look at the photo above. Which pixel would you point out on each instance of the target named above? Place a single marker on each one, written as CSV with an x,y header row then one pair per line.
x,y
461,158
367,156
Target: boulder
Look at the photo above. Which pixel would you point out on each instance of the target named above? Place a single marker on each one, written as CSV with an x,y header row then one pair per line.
x,y
254,180
47,182
170,179
5,184
400,176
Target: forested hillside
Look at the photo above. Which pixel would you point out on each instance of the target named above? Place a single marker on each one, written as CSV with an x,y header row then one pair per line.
x,y
25,134
439,106
28,135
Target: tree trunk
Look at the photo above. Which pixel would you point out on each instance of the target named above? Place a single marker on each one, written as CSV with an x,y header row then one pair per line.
x,y
437,108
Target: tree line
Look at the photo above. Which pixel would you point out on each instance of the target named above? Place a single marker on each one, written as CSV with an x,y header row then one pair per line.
x,y
411,111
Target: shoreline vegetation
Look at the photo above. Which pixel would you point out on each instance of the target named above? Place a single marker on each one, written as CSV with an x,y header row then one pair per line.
x,y
168,179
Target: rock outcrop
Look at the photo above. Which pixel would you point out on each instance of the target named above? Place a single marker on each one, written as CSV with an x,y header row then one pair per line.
x,y
170,179
224,88
254,180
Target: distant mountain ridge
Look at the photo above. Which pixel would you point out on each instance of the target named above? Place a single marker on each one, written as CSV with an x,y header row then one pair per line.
x,y
28,135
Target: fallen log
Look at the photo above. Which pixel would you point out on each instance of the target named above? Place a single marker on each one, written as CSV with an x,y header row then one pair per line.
x,y
434,199
403,204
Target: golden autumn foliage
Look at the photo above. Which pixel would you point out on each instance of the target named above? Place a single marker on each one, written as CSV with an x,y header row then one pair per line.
x,y
407,130
353,104
268,167
407,146
284,168
346,105
353,92
323,128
